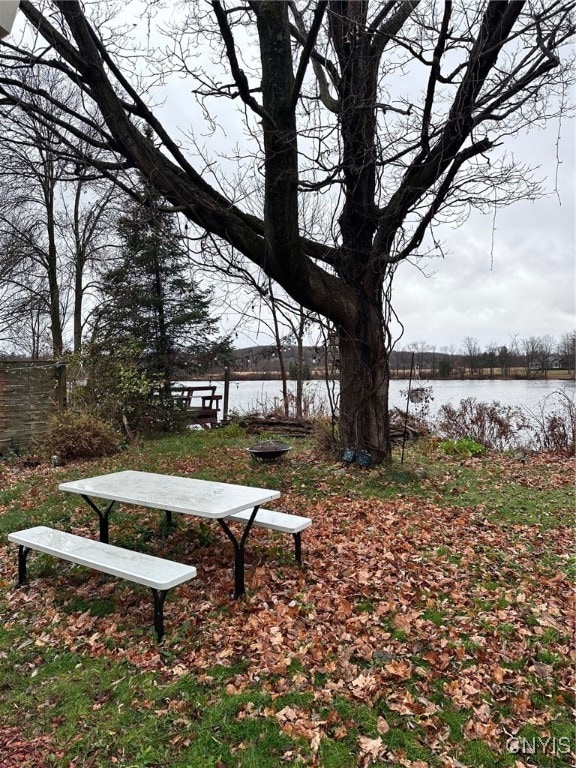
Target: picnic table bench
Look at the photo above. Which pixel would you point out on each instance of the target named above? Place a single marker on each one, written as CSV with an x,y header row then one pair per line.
x,y
158,574
202,404
275,520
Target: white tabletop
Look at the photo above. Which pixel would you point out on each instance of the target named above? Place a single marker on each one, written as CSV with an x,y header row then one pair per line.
x,y
189,496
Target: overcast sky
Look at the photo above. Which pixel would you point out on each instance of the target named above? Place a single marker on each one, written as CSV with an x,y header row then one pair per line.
x,y
524,283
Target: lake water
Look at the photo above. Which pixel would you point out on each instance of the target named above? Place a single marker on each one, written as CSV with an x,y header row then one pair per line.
x,y
258,396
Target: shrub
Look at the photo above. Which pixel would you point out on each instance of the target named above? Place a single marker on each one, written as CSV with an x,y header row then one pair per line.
x,y
465,446
493,425
325,437
553,428
118,391
234,428
79,436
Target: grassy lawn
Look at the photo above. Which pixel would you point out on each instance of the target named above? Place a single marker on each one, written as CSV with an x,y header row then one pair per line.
x,y
429,626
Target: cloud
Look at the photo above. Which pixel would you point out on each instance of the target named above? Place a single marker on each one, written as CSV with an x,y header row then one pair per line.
x,y
512,274
523,284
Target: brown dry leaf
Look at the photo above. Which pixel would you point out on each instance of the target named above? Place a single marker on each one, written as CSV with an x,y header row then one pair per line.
x,y
382,726
521,705
498,674
370,750
287,714
363,686
401,669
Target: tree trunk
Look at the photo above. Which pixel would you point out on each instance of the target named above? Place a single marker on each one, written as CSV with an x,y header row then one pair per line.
x,y
79,265
279,351
162,342
364,385
300,364
299,377
53,287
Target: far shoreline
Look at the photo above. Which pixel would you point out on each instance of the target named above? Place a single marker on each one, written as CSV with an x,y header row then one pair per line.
x,y
422,377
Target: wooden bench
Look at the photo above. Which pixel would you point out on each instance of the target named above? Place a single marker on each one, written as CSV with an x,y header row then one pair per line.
x,y
202,404
154,572
277,521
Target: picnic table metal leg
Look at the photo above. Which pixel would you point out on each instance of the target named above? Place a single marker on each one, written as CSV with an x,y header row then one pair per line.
x,y
298,547
159,596
102,516
22,555
239,585
169,523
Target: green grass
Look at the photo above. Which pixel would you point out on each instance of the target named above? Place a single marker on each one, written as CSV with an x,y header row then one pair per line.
x,y
104,713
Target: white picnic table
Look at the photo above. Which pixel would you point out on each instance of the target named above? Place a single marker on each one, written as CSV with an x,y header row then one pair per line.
x,y
171,493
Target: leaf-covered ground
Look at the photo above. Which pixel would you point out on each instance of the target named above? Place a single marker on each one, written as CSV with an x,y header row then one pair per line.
x,y
431,624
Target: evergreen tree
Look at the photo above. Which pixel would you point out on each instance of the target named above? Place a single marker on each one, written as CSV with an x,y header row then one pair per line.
x,y
150,298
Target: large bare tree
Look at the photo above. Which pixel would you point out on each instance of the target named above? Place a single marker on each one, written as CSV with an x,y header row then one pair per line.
x,y
395,111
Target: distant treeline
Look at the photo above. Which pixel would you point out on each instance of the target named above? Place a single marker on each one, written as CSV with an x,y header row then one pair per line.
x,y
530,357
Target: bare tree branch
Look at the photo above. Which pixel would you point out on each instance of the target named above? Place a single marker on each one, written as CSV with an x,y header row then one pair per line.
x,y
239,76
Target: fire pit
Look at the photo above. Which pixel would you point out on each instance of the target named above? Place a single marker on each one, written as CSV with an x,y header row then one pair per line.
x,y
268,450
